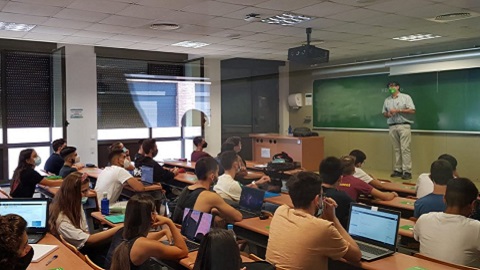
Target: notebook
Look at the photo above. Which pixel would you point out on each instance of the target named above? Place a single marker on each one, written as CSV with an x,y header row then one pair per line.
x,y
115,218
147,175
42,251
195,225
374,229
251,201
271,194
35,213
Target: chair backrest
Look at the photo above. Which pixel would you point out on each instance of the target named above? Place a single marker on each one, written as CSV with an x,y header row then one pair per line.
x,y
4,195
254,257
72,248
457,266
92,264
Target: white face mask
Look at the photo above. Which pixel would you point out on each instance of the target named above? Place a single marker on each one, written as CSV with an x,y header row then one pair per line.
x,y
126,163
84,200
77,159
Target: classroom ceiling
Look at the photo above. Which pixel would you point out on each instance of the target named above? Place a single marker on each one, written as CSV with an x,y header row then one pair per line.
x,y
350,29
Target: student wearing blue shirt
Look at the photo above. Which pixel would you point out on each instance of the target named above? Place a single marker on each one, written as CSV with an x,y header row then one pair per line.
x,y
440,172
55,162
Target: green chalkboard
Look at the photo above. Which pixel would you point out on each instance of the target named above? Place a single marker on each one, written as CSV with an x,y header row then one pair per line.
x,y
444,101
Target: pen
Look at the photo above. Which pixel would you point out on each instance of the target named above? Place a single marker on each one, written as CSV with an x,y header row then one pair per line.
x,y
51,260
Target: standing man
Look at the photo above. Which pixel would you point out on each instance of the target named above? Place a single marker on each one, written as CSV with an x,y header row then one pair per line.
x,y
396,109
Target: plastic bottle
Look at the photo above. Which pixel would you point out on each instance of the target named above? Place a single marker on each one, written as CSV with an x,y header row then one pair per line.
x,y
290,130
105,204
230,229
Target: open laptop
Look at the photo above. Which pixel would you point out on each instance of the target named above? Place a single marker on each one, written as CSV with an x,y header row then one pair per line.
x,y
195,225
374,229
251,201
35,213
147,175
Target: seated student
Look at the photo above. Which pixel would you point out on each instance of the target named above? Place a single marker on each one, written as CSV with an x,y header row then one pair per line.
x,y
451,236
134,244
112,178
70,156
67,219
15,252
225,147
440,172
227,187
360,158
199,197
25,178
55,162
301,237
355,187
424,184
140,152
160,174
127,163
331,173
198,153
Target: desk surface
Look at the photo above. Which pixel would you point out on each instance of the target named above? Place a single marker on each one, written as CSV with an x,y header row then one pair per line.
x,y
182,164
51,191
397,202
92,172
66,258
280,200
153,187
256,225
400,261
189,261
187,178
406,227
398,187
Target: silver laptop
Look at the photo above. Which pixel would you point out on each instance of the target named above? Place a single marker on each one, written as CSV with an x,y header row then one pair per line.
x,y
35,213
374,229
147,175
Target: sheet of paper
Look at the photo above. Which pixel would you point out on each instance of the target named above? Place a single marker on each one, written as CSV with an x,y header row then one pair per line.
x,y
265,152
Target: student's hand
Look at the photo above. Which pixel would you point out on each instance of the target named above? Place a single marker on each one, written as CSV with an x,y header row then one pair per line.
x,y
329,206
215,212
78,166
394,194
263,180
174,170
161,220
167,233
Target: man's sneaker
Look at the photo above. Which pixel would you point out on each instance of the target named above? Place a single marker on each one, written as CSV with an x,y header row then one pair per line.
x,y
396,174
407,176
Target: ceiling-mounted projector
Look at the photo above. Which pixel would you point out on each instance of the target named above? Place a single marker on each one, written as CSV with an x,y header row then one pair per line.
x,y
308,54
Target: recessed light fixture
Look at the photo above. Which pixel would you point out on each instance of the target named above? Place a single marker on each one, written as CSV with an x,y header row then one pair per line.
x,y
10,26
287,19
190,44
164,26
417,37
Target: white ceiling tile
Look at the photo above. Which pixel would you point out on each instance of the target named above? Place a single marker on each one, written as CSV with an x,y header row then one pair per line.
x,y
463,3
224,22
290,31
324,9
262,37
115,43
3,3
182,17
199,30
260,45
108,28
30,9
210,39
81,15
263,13
356,14
244,2
55,3
319,23
144,46
212,8
11,34
394,6
230,32
160,41
358,3
20,18
93,34
171,4
237,42
54,30
126,21
129,38
144,32
145,12
258,27
43,37
99,6
55,22
430,11
81,40
287,5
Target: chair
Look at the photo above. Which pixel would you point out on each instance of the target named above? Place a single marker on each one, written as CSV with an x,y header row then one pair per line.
x,y
4,195
456,266
72,248
92,264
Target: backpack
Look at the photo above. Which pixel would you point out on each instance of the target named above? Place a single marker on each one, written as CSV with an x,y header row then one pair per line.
x,y
303,132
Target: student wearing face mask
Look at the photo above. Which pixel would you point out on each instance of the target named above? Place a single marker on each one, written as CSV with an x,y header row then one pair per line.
x,y
199,197
15,252
127,163
160,174
25,178
200,145
67,219
71,158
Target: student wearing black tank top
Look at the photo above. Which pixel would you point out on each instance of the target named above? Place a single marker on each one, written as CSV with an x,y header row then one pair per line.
x,y
137,245
199,197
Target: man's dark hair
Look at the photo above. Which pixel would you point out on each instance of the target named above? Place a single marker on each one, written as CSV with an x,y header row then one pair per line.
x,y
330,170
394,83
226,146
227,159
57,143
148,145
451,159
348,165
359,156
140,142
204,166
460,192
68,150
113,154
303,187
441,171
234,139
197,140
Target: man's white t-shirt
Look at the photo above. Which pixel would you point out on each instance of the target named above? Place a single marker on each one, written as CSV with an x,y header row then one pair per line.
x,y
362,175
450,238
424,185
111,180
228,188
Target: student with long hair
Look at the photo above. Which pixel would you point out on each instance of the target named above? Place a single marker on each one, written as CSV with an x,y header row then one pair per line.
x,y
15,252
67,219
25,178
136,244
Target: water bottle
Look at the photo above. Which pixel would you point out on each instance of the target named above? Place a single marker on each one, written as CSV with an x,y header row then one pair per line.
x,y
230,229
105,205
290,131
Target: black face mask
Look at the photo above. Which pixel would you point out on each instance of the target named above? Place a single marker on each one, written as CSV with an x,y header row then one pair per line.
x,y
24,262
155,152
205,144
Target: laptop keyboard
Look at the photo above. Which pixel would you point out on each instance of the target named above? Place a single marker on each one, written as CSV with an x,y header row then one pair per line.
x,y
246,214
370,249
34,238
192,246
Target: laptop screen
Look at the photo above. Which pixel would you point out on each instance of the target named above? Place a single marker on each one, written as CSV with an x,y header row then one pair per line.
x,y
147,174
370,223
34,211
196,224
251,199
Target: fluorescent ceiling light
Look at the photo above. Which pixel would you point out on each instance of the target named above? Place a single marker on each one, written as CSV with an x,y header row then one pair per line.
x,y
190,44
10,26
287,19
416,37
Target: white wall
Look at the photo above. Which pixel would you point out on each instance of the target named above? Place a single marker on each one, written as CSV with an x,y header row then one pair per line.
x,y
283,92
213,131
81,93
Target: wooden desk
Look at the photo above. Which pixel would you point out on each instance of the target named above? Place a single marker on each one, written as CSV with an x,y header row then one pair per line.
x,y
189,261
307,150
255,231
186,178
66,258
280,200
181,164
98,216
402,189
407,232
91,172
404,205
400,261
